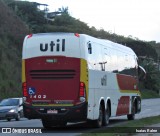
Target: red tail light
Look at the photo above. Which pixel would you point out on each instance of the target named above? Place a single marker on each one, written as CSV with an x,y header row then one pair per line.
x,y
29,36
82,92
77,35
24,87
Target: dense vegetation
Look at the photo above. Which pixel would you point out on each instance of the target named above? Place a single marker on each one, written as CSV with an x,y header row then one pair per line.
x,y
12,32
18,18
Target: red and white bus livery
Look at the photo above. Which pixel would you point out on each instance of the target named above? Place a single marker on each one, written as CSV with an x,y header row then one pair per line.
x,y
71,77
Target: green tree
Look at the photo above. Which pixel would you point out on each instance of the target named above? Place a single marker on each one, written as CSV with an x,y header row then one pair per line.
x,y
152,81
63,10
29,13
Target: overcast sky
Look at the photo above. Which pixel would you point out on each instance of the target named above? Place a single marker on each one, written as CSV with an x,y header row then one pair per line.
x,y
138,18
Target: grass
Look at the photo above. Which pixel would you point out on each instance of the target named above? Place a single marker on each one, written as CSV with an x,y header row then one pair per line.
x,y
126,129
147,94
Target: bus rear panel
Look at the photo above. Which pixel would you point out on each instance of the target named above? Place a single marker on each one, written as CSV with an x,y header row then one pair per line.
x,y
51,79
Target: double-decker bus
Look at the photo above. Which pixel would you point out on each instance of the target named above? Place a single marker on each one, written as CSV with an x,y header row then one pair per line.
x,y
70,77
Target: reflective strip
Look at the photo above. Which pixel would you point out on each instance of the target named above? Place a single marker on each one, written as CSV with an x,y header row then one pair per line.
x,y
84,75
52,104
131,91
23,71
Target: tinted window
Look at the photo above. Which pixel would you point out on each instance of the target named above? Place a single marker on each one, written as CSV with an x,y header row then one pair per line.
x,y
96,57
127,64
110,57
119,62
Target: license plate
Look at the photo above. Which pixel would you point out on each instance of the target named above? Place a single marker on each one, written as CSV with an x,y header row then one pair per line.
x,y
52,111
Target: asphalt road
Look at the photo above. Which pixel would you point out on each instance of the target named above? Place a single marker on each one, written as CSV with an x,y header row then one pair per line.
x,y
150,107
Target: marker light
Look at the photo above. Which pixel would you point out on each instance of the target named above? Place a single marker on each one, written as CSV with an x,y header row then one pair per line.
x,y
77,35
24,87
29,36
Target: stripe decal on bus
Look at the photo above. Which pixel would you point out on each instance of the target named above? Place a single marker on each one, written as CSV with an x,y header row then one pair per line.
x,y
84,75
52,104
127,84
123,106
131,91
23,71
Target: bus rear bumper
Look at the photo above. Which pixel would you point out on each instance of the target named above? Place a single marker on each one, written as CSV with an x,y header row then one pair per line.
x,y
68,114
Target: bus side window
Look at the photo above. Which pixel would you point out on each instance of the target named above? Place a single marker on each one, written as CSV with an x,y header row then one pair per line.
x,y
89,48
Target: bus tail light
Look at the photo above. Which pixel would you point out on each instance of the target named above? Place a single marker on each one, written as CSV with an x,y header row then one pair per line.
x,y
82,92
77,35
29,36
24,87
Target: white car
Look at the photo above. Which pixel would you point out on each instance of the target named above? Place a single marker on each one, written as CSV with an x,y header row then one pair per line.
x,y
11,108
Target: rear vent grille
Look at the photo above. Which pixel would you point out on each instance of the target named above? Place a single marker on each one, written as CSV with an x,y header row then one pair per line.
x,y
52,74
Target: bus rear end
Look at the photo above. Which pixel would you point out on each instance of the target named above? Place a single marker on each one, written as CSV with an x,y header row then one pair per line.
x,y
53,89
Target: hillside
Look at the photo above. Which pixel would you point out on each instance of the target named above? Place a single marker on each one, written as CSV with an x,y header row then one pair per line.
x,y
12,32
157,47
35,20
18,18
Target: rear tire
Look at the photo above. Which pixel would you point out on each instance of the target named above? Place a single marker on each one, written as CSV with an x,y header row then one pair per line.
x,y
106,116
98,123
49,124
46,124
132,116
62,124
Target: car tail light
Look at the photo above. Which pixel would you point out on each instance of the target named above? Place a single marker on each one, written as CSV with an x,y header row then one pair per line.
x,y
24,87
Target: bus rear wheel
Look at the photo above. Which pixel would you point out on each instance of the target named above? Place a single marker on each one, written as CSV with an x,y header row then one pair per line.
x,y
106,116
132,115
48,124
98,123
62,124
